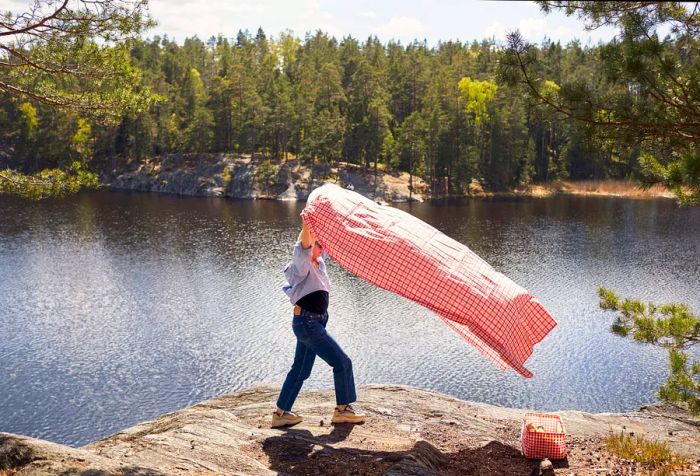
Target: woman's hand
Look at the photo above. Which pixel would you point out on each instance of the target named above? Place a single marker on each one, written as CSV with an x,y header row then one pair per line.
x,y
306,237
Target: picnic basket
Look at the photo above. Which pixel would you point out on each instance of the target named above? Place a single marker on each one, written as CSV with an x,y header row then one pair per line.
x,y
543,436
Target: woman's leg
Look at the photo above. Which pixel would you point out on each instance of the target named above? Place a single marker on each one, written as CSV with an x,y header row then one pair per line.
x,y
301,369
326,347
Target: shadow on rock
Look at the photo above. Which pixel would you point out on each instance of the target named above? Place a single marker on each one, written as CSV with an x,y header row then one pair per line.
x,y
495,458
14,453
300,452
125,471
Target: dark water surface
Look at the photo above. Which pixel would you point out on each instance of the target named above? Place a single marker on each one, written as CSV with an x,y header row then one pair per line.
x,y
116,308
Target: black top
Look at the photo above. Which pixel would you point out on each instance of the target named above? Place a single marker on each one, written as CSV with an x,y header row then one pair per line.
x,y
316,302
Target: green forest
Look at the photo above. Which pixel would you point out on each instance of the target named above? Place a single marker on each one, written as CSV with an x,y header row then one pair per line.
x,y
436,112
504,114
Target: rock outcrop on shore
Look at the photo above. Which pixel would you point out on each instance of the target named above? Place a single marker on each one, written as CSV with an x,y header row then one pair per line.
x,y
409,432
244,177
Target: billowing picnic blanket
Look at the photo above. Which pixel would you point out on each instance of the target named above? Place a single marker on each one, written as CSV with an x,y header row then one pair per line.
x,y
396,251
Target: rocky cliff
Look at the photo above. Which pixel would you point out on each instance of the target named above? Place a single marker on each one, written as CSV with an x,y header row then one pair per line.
x,y
246,177
409,432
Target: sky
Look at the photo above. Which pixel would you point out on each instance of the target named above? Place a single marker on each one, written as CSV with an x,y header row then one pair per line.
x,y
404,20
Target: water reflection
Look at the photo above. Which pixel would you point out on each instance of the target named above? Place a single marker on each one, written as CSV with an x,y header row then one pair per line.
x,y
115,308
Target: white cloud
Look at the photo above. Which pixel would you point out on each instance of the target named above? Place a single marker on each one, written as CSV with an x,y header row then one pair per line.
x,y
242,8
563,33
311,8
310,19
533,27
15,6
203,7
180,19
496,31
405,28
413,20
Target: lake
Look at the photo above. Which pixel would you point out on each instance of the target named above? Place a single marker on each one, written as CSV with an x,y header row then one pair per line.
x,y
117,307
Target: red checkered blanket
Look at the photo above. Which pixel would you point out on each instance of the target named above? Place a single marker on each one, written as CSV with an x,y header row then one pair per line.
x,y
396,251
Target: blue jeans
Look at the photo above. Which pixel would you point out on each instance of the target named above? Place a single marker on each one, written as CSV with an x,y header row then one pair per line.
x,y
313,340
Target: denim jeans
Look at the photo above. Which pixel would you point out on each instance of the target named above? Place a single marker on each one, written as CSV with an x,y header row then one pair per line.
x,y
313,340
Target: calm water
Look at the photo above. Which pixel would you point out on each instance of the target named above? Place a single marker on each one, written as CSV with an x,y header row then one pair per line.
x,y
116,308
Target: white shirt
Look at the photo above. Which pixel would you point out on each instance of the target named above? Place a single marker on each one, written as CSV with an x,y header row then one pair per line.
x,y
302,276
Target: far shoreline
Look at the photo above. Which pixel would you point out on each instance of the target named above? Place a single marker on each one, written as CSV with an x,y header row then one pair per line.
x,y
251,177
589,189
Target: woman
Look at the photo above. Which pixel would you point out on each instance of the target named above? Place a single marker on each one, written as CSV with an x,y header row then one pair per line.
x,y
308,286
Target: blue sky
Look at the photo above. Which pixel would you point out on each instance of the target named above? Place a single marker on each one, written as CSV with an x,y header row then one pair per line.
x,y
393,19
402,20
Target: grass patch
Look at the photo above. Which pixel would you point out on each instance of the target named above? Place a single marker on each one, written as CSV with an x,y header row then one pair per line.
x,y
625,188
653,454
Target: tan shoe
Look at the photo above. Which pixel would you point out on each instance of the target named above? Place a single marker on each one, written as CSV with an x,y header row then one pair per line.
x,y
285,419
347,415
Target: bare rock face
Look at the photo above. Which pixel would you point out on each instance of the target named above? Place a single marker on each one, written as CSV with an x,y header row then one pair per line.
x,y
238,177
241,185
385,187
22,456
409,432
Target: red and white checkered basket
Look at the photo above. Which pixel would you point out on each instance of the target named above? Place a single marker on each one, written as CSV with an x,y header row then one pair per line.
x,y
550,443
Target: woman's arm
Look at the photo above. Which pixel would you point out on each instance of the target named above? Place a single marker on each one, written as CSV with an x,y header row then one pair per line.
x,y
301,256
305,236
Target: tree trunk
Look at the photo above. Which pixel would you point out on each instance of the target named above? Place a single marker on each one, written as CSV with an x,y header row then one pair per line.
x,y
410,175
545,159
376,158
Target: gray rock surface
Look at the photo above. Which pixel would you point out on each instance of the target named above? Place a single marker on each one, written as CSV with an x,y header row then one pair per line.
x,y
409,432
239,177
